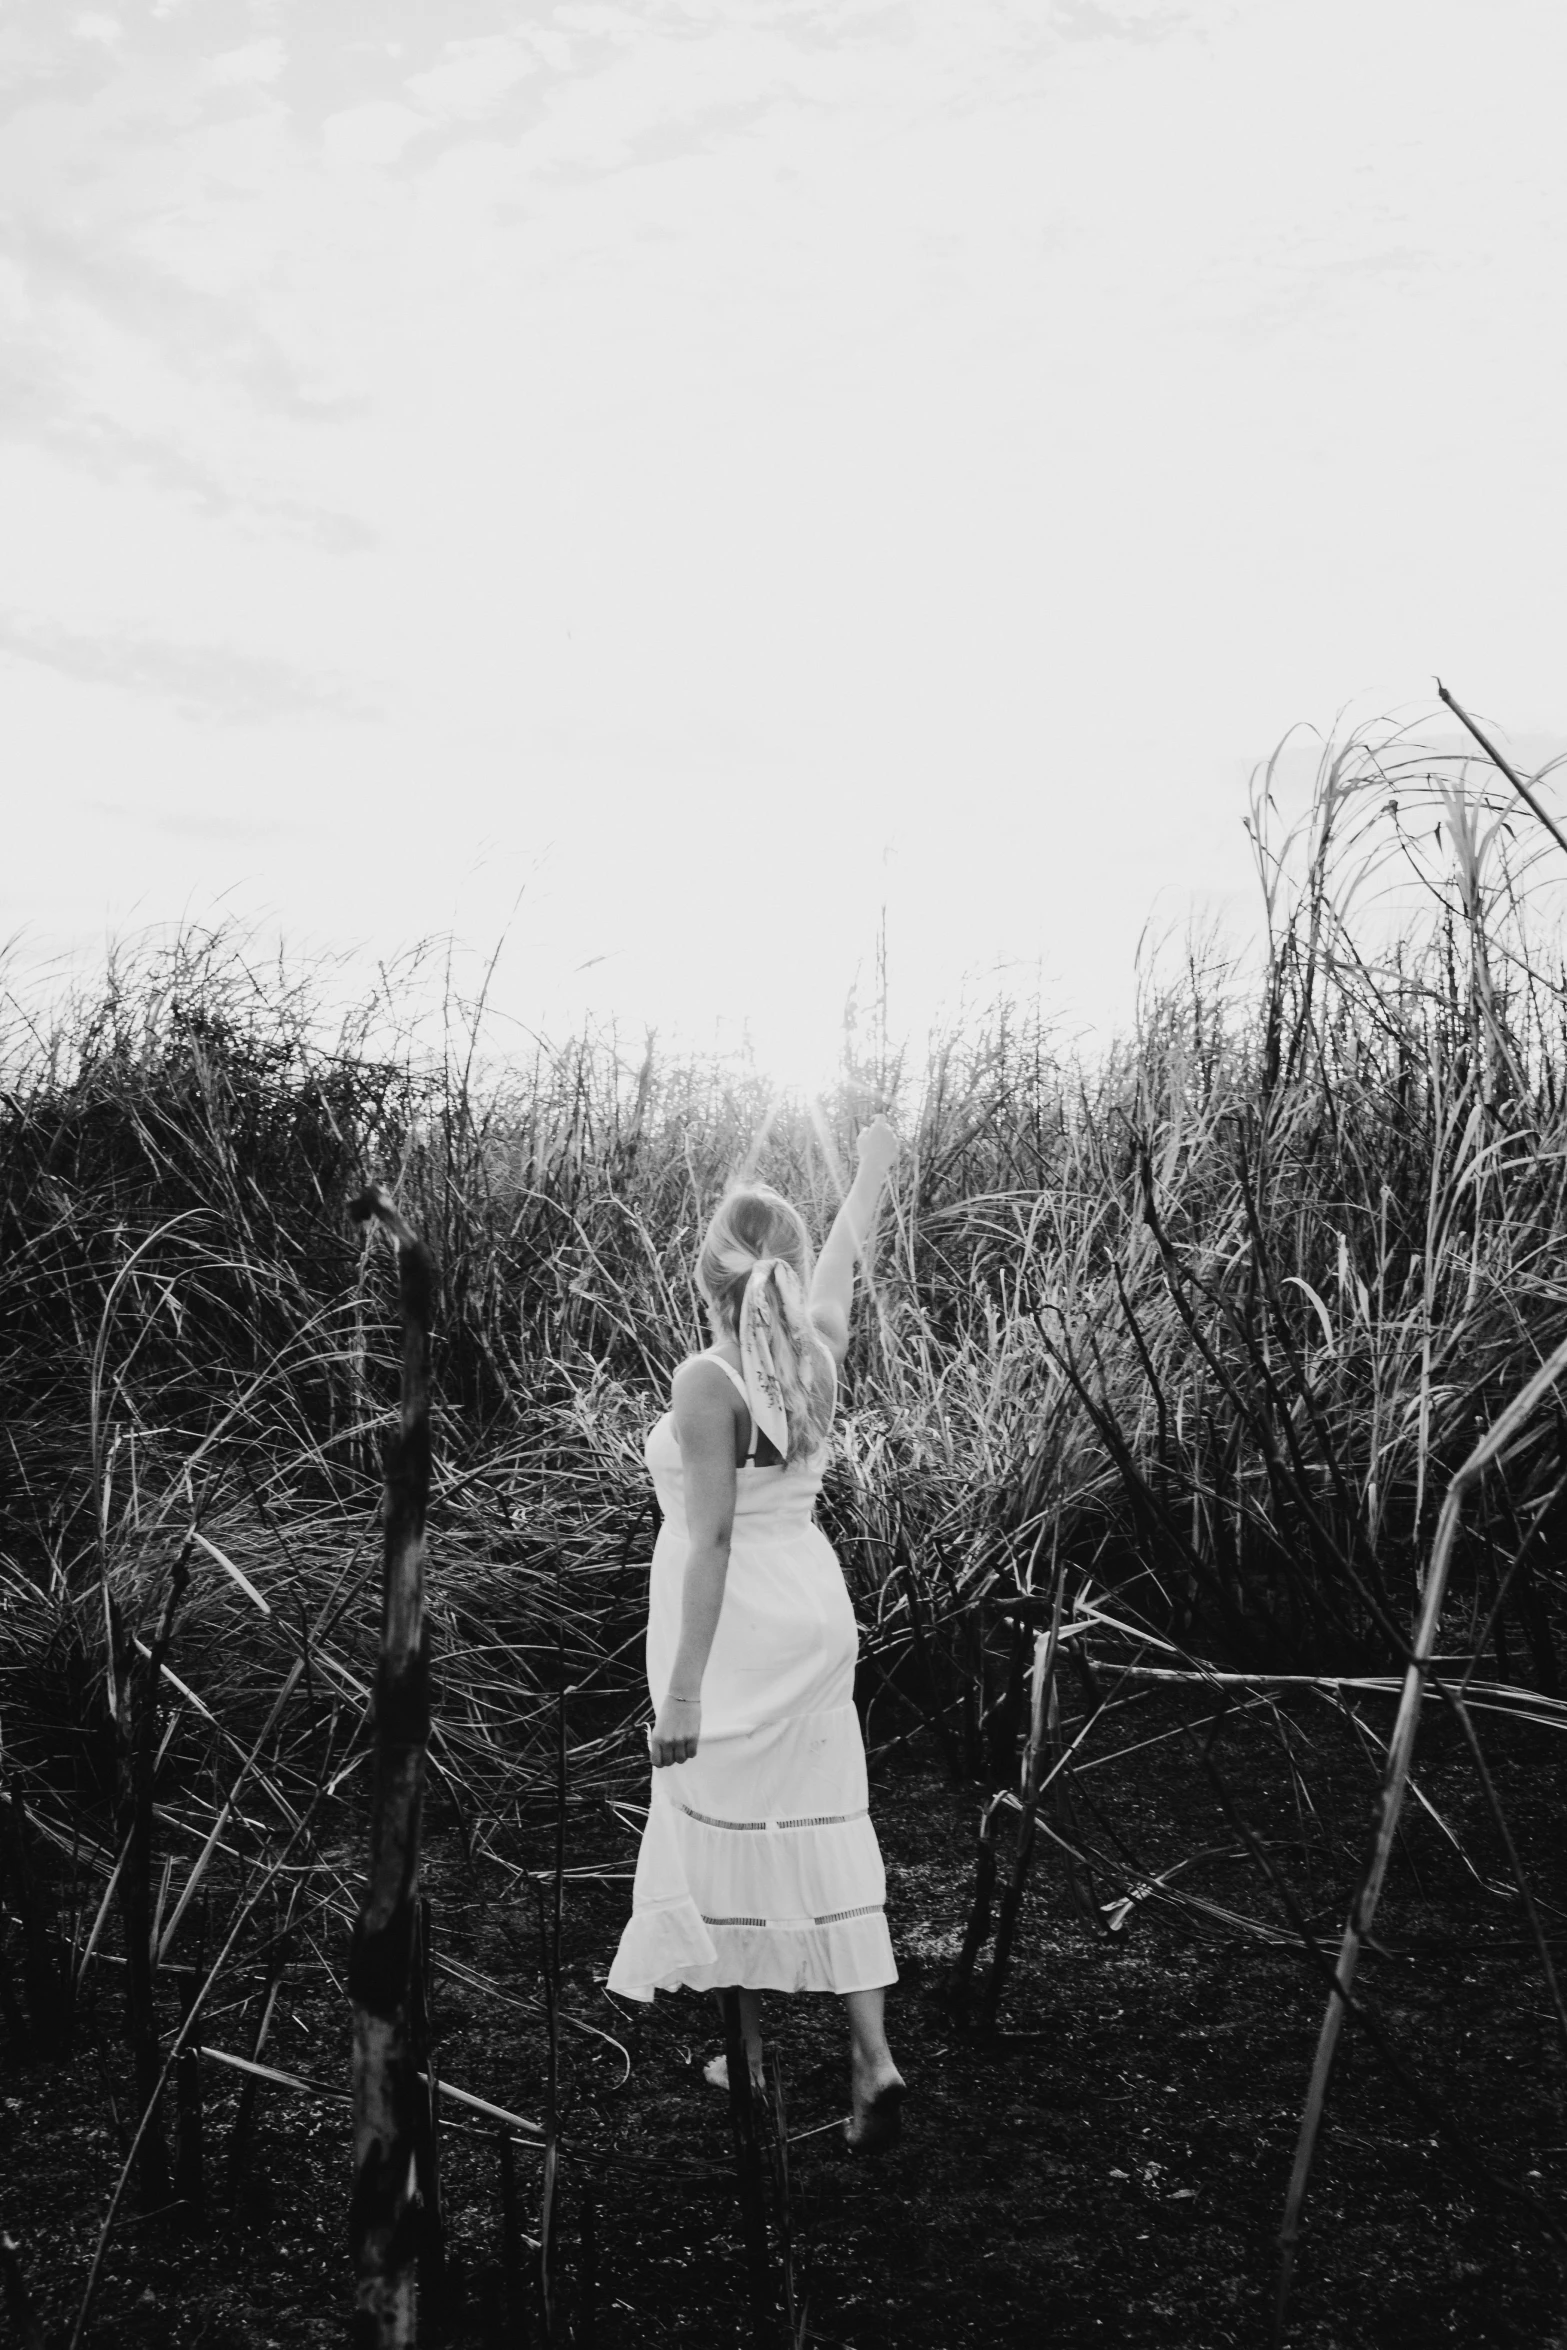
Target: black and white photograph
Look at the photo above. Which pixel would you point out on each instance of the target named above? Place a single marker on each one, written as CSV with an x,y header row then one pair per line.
x,y
783,1175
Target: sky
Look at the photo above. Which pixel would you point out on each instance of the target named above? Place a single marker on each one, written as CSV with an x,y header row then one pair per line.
x,y
681,487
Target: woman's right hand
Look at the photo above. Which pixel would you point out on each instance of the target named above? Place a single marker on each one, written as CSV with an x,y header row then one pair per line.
x,y
676,1734
878,1147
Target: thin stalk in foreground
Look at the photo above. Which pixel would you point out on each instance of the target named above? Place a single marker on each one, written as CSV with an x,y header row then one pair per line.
x,y
383,2216
1041,1709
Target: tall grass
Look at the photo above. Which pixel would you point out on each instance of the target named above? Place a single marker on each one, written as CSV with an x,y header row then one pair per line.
x,y
1200,1328
1216,1313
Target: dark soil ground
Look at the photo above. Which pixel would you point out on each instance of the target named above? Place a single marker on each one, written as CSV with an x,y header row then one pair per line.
x,y
1108,2167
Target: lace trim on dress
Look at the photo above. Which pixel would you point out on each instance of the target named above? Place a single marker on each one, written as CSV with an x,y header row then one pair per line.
x,y
820,1819
708,1821
833,1917
828,1819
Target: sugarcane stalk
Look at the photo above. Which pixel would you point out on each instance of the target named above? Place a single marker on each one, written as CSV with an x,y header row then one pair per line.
x,y
25,2326
937,1713
189,2138
544,2259
512,2318
977,1932
1395,1780
134,1680
549,1967
521,2313
1046,1647
1504,767
46,1974
783,2207
432,2240
384,2214
250,2087
588,2276
748,2166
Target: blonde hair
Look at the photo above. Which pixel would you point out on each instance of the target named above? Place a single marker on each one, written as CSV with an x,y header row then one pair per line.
x,y
749,1225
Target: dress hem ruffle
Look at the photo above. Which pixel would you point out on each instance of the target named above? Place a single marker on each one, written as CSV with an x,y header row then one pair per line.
x,y
672,1947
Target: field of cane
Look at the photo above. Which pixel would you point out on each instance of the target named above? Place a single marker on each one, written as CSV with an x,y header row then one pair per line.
x,y
1202,1491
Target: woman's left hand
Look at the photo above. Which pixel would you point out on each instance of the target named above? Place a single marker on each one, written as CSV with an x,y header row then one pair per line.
x,y
676,1734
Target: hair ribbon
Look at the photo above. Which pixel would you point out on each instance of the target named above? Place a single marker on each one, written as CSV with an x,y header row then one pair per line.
x,y
760,1340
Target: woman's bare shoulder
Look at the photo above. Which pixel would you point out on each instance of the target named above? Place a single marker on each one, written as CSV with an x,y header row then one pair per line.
x,y
700,1378
704,1408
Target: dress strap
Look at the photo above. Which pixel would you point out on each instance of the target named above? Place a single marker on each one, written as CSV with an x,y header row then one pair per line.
x,y
713,1356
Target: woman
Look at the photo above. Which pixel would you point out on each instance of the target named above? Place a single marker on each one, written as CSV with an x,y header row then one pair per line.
x,y
759,1867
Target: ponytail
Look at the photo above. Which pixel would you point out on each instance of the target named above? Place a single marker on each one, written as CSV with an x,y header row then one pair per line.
x,y
753,1270
788,1378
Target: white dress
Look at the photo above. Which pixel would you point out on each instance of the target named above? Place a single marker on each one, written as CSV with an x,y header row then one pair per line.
x,y
758,1865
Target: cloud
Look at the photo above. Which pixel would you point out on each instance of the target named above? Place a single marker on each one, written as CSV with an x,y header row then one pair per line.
x,y
41,407
1127,20
106,31
474,76
371,135
194,824
881,407
193,327
204,681
256,61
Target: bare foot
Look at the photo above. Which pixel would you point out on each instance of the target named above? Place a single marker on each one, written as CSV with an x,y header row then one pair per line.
x,y
877,2119
716,2073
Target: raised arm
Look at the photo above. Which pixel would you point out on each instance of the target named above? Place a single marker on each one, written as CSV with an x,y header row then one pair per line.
x,y
832,1287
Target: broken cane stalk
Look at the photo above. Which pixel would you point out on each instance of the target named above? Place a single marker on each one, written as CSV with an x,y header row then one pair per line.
x,y
1525,791
384,2216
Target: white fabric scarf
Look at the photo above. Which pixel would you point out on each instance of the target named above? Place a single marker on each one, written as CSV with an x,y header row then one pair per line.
x,y
762,1339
